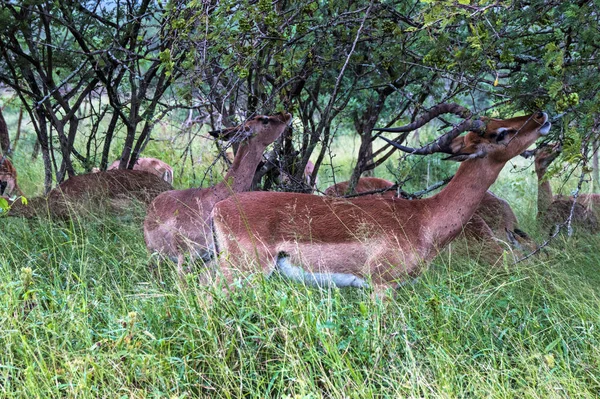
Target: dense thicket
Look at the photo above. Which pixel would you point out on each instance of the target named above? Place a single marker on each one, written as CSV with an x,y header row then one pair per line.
x,y
334,64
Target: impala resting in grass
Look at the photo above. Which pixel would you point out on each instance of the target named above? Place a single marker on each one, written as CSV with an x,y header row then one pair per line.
x,y
178,221
8,178
363,241
92,191
493,220
150,165
502,221
364,185
555,209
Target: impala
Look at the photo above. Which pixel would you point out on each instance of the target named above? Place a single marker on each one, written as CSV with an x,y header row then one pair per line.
x,y
493,219
151,165
364,185
114,188
178,221
8,178
369,241
502,221
556,209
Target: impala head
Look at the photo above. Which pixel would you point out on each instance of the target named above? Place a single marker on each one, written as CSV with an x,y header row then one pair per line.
x,y
263,129
500,139
545,155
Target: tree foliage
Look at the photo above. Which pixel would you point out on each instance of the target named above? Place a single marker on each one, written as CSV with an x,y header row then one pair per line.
x,y
352,64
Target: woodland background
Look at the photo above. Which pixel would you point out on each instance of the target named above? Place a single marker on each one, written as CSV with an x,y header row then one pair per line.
x,y
84,315
97,80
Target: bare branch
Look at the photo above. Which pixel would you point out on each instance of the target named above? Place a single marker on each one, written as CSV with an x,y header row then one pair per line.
x,y
433,112
401,193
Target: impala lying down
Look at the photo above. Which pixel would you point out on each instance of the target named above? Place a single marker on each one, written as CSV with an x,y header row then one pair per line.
x,y
114,191
369,241
178,220
556,209
8,178
493,220
150,165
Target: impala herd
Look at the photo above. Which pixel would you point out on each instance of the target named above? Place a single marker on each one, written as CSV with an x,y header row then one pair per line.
x,y
378,240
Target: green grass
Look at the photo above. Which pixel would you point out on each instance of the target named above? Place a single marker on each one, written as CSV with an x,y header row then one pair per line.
x,y
84,315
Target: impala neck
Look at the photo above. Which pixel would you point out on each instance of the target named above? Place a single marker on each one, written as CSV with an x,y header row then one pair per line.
x,y
454,206
239,177
544,192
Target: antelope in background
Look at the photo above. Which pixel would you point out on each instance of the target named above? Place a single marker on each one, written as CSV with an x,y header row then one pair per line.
x,y
151,165
555,209
493,220
370,240
178,221
115,188
364,185
8,179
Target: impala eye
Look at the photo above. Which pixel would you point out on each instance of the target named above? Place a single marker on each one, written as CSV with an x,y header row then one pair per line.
x,y
265,120
502,134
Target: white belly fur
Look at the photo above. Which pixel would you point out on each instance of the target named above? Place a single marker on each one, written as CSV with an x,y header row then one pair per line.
x,y
296,273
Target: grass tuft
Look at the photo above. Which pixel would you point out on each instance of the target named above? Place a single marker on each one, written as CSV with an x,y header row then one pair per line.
x,y
83,315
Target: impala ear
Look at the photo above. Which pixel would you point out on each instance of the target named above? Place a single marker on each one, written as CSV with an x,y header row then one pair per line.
x,y
528,154
235,134
463,148
217,133
457,145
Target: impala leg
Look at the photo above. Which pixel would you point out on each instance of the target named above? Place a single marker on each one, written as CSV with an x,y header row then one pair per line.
x,y
292,268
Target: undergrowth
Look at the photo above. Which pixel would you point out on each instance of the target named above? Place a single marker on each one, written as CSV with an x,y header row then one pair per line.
x,y
84,314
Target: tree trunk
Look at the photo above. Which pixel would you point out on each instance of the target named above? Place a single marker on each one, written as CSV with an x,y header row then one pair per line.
x,y
595,172
4,136
364,124
36,150
128,147
369,156
19,124
365,155
110,132
42,135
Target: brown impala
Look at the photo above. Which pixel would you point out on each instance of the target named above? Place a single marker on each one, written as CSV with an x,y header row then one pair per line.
x,y
112,190
555,209
178,221
493,219
364,185
362,241
150,165
8,178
